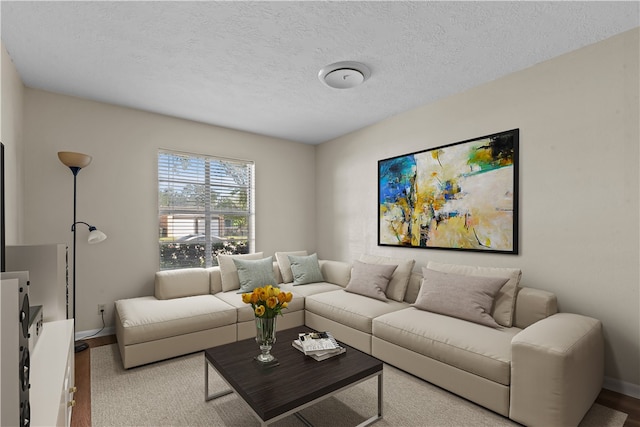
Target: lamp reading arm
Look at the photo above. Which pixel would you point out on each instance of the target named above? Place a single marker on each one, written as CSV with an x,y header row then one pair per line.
x,y
95,235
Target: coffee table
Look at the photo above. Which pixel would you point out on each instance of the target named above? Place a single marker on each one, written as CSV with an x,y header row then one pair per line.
x,y
275,392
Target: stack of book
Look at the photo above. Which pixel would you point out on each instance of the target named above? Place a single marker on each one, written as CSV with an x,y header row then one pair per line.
x,y
318,345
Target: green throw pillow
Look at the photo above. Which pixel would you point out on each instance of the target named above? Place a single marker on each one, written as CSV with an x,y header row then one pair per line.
x,y
305,269
254,273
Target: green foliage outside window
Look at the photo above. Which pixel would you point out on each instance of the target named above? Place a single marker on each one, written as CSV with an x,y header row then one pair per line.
x,y
184,255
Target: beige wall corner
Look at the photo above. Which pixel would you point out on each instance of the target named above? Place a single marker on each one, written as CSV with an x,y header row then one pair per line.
x,y
11,130
579,183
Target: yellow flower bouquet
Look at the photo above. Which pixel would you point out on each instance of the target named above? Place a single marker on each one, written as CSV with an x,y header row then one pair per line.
x,y
267,302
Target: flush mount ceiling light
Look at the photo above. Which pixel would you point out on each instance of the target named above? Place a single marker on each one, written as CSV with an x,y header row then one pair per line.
x,y
344,75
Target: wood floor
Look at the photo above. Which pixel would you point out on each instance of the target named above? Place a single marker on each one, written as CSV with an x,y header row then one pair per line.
x,y
82,411
81,415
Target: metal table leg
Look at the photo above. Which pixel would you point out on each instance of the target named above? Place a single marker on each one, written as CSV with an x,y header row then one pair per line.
x,y
207,396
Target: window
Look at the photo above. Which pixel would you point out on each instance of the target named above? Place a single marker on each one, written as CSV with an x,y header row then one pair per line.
x,y
205,208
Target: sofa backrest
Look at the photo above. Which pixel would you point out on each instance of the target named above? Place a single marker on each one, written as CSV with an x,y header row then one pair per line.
x,y
215,279
414,287
531,304
336,272
276,272
180,283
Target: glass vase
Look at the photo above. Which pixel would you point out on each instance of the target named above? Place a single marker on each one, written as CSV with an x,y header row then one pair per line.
x,y
266,337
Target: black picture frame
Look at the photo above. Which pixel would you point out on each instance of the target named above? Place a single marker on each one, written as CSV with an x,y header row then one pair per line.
x,y
460,196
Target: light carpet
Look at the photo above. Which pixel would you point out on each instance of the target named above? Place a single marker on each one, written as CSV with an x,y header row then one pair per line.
x,y
171,393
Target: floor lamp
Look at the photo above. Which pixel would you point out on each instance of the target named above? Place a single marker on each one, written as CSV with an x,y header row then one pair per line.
x,y
75,162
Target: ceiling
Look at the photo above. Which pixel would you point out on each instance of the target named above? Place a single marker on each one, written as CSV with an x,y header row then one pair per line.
x,y
254,66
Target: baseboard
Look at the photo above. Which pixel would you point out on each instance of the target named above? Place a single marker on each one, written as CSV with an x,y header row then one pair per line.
x,y
623,387
103,332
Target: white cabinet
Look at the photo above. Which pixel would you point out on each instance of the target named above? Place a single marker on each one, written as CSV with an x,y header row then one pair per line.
x,y
52,375
9,352
47,267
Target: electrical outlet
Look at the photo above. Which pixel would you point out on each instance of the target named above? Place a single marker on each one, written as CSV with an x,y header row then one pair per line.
x,y
100,309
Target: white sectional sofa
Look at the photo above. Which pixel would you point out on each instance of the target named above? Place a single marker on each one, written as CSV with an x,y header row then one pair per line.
x,y
545,369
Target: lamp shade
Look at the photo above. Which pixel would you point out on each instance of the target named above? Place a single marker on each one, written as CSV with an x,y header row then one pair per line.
x,y
74,160
96,236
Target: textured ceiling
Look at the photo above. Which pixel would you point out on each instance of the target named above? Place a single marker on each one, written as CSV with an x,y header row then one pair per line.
x,y
253,65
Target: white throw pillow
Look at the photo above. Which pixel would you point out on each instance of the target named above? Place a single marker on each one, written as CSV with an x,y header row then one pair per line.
x,y
229,272
505,300
285,266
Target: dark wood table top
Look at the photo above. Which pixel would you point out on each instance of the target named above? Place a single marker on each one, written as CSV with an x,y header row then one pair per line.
x,y
297,380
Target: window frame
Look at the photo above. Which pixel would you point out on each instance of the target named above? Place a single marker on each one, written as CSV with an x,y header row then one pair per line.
x,y
206,183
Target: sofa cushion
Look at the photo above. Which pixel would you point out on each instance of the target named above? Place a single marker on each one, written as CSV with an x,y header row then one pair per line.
x,y
305,269
180,283
309,288
468,346
285,266
400,279
505,301
370,280
148,318
350,309
245,312
229,272
465,297
254,273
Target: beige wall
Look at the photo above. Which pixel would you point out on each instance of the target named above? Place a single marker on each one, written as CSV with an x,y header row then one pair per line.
x,y
11,125
579,184
117,192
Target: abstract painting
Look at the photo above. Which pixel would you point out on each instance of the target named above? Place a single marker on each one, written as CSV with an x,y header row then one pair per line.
x,y
460,196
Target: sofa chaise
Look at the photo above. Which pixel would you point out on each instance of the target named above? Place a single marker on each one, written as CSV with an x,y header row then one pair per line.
x,y
544,368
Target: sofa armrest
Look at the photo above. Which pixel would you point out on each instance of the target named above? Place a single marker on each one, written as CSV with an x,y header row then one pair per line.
x,y
557,369
533,305
336,272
